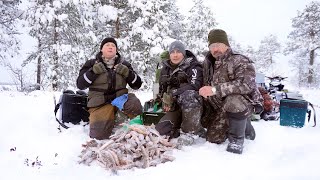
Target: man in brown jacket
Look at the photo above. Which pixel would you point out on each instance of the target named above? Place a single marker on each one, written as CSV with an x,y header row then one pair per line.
x,y
107,77
230,94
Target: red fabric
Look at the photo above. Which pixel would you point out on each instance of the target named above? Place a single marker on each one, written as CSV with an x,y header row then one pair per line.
x,y
267,100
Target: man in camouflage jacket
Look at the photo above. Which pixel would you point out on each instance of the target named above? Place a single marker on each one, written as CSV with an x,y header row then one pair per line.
x,y
230,94
107,77
180,80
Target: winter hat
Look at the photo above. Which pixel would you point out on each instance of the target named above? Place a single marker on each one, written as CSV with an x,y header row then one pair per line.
x,y
218,36
177,45
106,40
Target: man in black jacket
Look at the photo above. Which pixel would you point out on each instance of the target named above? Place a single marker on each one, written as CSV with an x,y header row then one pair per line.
x,y
107,76
181,77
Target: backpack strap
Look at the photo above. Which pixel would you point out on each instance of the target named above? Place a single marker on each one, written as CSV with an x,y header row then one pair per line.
x,y
309,112
314,115
55,115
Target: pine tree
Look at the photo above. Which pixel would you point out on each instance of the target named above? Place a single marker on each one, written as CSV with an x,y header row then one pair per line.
x,y
65,34
141,28
267,51
70,32
176,21
199,22
304,42
9,43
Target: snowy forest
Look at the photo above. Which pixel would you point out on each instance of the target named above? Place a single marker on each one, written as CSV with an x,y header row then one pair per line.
x,y
69,32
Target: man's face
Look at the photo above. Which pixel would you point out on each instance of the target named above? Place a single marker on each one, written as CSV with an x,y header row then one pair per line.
x,y
176,56
217,49
109,50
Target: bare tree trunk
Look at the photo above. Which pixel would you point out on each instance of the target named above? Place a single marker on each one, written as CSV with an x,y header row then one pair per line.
x,y
118,28
55,67
311,62
21,79
39,63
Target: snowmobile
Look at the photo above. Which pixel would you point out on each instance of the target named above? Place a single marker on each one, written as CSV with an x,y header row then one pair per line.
x,y
275,83
272,96
277,93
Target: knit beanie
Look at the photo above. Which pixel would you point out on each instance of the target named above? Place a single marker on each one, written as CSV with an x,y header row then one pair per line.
x,y
218,36
106,40
177,45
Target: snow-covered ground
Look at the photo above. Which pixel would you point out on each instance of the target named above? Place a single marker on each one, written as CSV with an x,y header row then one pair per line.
x,y
31,147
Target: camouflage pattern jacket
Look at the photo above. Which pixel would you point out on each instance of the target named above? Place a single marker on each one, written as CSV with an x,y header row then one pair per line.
x,y
232,74
187,75
107,86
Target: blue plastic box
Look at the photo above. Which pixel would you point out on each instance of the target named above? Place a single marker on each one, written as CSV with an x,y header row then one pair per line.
x,y
293,112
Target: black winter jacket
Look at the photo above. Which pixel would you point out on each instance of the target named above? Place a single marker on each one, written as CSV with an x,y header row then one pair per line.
x,y
187,76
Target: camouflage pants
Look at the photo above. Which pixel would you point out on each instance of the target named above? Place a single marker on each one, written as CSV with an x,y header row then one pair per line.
x,y
187,116
102,119
216,120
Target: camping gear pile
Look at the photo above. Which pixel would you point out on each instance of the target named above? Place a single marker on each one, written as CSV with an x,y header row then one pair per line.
x,y
272,95
279,103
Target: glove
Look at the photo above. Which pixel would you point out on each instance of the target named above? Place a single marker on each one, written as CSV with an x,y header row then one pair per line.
x,y
122,70
167,100
119,101
99,68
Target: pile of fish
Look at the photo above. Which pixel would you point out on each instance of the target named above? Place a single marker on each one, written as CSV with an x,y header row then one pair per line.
x,y
130,146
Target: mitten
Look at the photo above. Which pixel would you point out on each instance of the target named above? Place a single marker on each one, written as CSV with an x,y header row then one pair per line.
x,y
99,68
122,70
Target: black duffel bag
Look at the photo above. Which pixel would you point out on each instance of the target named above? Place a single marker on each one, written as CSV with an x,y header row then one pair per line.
x,y
73,108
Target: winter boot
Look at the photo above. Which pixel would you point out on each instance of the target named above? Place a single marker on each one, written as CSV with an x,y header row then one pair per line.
x,y
202,133
236,135
174,133
250,133
185,139
120,118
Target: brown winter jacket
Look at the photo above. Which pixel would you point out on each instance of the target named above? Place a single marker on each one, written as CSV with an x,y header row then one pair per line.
x,y
107,86
232,74
267,100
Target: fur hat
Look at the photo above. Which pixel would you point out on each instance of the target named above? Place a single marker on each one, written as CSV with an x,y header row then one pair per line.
x,y
108,39
218,36
177,45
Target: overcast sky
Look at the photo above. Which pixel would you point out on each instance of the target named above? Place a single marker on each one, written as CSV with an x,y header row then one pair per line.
x,y
249,21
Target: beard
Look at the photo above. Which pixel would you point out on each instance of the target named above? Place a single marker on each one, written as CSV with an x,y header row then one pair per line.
x,y
217,54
